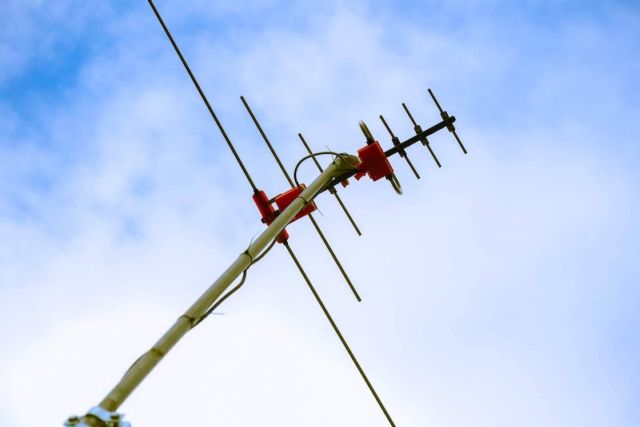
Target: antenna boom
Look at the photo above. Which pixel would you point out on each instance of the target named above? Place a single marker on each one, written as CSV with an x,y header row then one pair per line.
x,y
145,364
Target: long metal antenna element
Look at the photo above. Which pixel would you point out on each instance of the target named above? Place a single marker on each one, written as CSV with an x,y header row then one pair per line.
x,y
292,184
203,96
340,336
331,190
418,130
396,142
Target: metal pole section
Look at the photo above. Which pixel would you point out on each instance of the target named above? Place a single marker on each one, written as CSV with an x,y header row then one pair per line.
x,y
141,368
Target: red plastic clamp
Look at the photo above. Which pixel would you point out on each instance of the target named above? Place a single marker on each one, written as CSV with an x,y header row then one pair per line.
x,y
282,201
268,213
266,210
373,162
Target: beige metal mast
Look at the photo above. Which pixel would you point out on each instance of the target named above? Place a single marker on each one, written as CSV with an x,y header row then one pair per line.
x,y
105,412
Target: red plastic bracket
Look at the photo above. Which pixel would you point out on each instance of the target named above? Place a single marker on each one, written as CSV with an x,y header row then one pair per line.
x,y
373,162
268,213
282,201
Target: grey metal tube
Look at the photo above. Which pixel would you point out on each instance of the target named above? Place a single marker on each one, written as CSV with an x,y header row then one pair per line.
x,y
141,368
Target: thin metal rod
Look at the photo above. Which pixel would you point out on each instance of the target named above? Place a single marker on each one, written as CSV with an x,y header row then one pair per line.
x,y
435,101
335,258
396,142
455,134
344,209
203,96
409,114
424,140
331,190
433,155
339,334
443,114
145,364
292,184
304,142
264,136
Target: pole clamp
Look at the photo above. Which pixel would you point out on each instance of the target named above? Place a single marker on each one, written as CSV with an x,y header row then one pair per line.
x,y
97,417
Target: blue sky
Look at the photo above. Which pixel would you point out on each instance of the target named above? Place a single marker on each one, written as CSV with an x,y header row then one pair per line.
x,y
499,290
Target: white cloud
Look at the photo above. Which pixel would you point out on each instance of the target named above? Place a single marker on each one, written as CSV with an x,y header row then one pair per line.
x,y
483,285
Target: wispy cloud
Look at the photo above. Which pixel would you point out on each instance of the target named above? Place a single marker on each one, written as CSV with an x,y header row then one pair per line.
x,y
500,290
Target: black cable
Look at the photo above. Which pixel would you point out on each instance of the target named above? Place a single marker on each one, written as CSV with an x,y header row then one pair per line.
x,y
196,322
265,252
221,300
216,304
319,153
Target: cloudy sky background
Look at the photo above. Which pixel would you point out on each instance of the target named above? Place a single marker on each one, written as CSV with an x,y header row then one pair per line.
x,y
500,290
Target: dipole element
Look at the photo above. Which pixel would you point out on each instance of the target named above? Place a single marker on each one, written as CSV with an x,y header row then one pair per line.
x,y
418,130
445,116
203,96
396,142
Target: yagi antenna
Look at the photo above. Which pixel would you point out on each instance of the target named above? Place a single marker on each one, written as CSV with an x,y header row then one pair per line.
x,y
276,213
